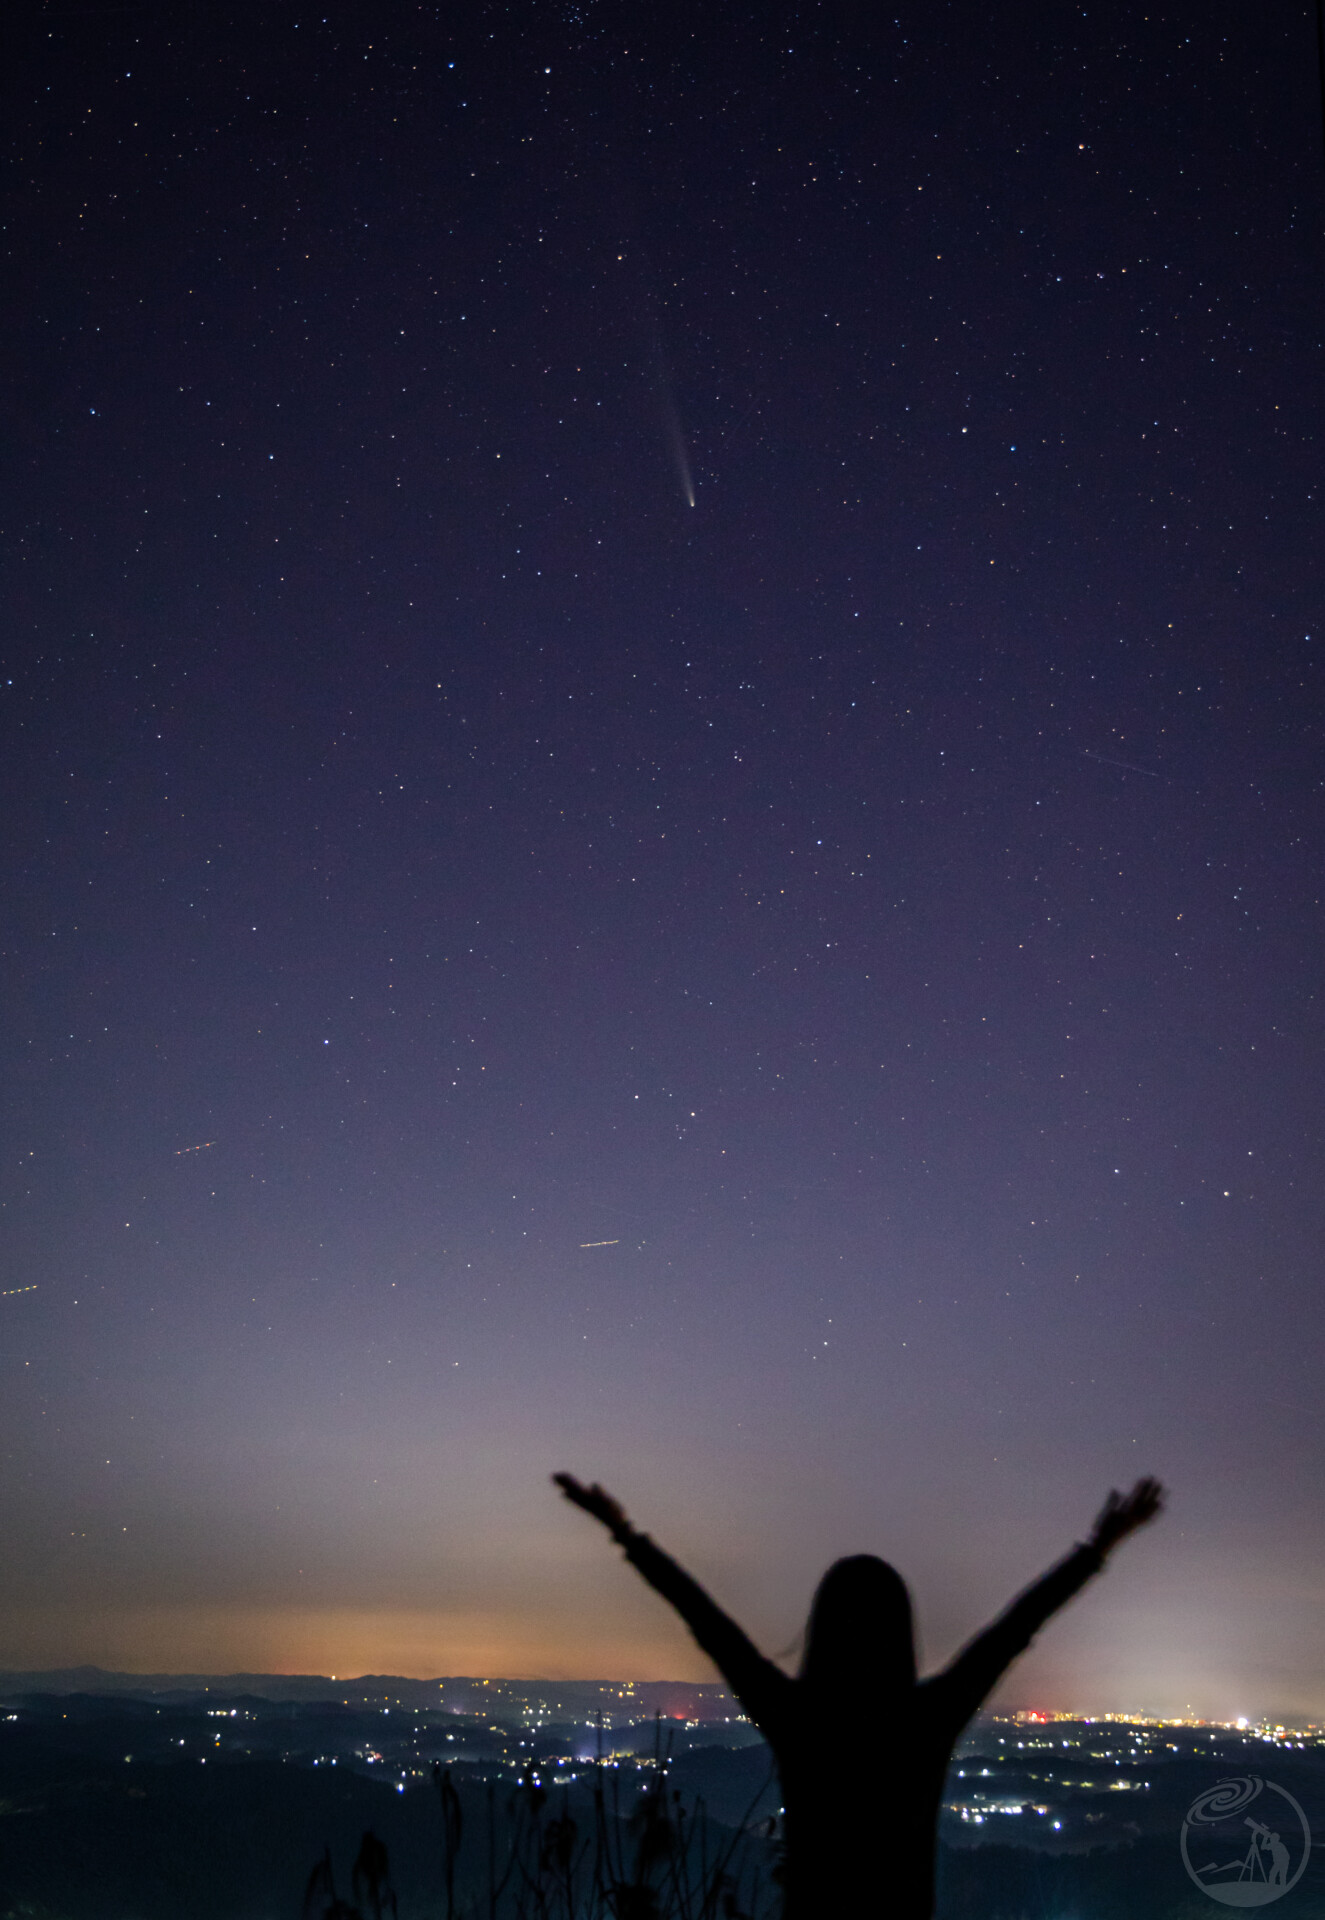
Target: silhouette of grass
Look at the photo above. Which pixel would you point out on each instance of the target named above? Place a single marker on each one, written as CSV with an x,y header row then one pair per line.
x,y
652,1859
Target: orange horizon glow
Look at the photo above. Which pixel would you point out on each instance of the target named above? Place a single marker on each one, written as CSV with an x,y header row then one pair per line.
x,y
350,1643
414,1644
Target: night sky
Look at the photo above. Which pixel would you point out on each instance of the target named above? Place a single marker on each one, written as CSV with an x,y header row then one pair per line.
x,y
661,764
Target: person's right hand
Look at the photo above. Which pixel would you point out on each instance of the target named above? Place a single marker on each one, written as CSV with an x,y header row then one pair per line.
x,y
597,1501
1123,1513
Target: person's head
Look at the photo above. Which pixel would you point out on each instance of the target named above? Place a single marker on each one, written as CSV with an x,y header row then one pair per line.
x,y
860,1633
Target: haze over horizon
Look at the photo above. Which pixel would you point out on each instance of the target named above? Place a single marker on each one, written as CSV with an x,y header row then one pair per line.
x,y
642,1693
661,744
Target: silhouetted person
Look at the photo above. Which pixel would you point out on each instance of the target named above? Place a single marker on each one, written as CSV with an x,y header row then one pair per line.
x,y
862,1745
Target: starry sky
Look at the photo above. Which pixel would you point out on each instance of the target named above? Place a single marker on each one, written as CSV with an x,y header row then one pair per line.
x,y
661,762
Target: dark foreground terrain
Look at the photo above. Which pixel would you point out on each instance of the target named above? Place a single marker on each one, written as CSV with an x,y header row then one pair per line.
x,y
217,1805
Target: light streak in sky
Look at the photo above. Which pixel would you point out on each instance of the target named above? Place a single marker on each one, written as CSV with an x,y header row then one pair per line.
x,y
9,1292
198,1149
600,1243
1130,766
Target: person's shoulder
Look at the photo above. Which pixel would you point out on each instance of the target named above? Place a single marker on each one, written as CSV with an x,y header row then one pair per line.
x,y
936,1697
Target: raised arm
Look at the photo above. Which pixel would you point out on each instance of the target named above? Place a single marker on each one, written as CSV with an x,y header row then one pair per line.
x,y
978,1667
762,1689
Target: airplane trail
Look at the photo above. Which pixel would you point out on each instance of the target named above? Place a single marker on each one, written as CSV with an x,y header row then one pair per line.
x,y
1129,765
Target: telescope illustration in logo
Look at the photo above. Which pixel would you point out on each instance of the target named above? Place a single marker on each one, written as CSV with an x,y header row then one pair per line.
x,y
1239,1859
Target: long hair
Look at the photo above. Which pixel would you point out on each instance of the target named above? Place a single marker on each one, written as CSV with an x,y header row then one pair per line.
x,y
860,1633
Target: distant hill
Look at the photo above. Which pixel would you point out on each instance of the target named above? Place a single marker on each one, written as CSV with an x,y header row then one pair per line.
x,y
265,1686
464,1693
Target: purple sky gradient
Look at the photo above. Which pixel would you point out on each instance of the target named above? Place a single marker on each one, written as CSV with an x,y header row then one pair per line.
x,y
880,905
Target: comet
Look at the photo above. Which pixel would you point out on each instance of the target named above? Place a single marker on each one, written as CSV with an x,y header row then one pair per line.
x,y
676,442
673,432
